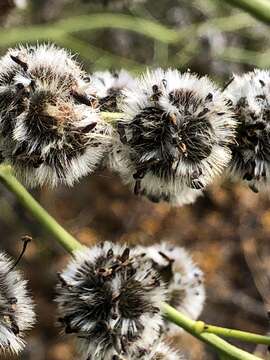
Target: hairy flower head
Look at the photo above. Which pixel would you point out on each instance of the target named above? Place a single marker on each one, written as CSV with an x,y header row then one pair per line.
x,y
175,133
183,278
108,87
51,132
16,307
110,299
250,97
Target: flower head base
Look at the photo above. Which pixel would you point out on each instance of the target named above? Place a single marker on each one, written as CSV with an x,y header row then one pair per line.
x,y
110,298
183,278
16,307
108,88
250,96
153,188
175,135
50,130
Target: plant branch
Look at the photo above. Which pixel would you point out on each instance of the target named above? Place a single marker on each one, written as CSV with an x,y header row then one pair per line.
x,y
68,242
196,328
145,27
260,9
237,334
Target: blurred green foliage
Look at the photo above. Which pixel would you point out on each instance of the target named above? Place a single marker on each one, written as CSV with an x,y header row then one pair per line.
x,y
203,35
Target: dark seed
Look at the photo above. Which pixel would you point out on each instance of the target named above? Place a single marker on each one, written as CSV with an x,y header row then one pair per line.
x,y
81,98
18,61
137,187
89,127
203,112
155,88
124,257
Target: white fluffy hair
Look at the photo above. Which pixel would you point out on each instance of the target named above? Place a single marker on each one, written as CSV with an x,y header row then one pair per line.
x,y
103,81
175,134
186,290
16,307
154,188
52,132
161,351
250,96
108,88
111,298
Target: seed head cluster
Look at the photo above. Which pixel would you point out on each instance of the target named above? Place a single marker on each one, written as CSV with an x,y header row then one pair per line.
x,y
250,97
110,298
176,132
175,136
183,279
16,307
108,87
50,129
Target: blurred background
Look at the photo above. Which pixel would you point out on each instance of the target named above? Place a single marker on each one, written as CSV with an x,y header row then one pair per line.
x,y
227,230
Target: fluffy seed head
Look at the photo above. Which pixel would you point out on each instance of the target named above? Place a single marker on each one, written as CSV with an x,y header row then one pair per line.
x,y
154,188
175,134
161,351
183,278
108,88
110,298
50,130
16,307
250,96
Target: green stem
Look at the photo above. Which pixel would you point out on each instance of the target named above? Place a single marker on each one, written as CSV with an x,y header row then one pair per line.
x,y
196,328
111,117
258,8
148,28
47,221
97,57
237,334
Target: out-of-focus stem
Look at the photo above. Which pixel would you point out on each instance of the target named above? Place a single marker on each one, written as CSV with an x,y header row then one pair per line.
x,y
258,8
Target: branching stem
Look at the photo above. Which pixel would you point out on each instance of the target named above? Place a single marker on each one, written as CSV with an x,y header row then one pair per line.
x,y
258,8
206,333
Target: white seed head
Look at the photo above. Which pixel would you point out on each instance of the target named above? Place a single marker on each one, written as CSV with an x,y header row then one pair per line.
x,y
160,351
110,298
16,307
183,278
250,97
108,88
154,188
175,134
51,132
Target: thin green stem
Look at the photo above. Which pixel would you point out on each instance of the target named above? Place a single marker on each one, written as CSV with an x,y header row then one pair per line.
x,y
260,9
237,334
68,242
196,328
243,56
145,27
